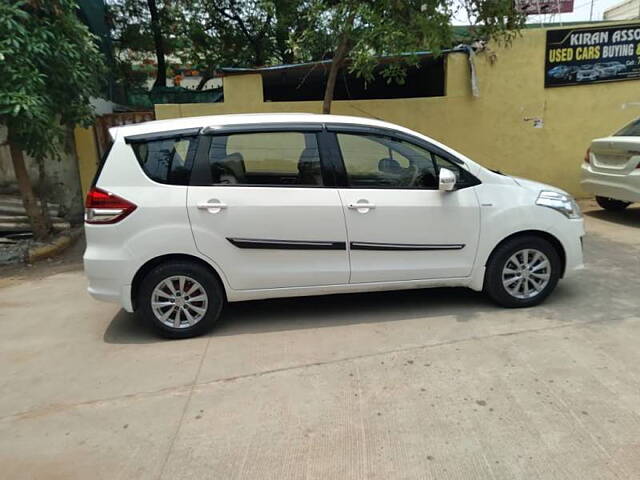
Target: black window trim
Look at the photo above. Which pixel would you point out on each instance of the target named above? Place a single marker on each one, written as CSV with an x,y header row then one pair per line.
x,y
201,173
354,128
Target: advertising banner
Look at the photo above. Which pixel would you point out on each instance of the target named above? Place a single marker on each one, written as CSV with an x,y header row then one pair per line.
x,y
577,56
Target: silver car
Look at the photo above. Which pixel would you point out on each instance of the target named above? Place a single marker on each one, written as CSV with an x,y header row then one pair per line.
x,y
587,73
609,69
611,168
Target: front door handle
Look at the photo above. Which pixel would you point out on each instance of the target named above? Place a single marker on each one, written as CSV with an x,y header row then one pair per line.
x,y
212,206
362,206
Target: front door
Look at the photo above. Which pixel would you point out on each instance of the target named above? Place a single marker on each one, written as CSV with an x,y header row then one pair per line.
x,y
400,226
261,211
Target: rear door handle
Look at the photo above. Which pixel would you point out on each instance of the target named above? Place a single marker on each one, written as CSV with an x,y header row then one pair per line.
x,y
212,206
362,206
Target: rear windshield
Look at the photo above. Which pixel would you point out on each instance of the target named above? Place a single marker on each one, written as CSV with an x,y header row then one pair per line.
x,y
630,130
167,160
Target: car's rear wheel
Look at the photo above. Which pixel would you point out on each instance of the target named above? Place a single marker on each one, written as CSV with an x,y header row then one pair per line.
x,y
612,204
522,272
180,299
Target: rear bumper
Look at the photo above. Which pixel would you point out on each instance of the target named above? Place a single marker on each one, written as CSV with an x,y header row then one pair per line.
x,y
619,187
107,293
106,280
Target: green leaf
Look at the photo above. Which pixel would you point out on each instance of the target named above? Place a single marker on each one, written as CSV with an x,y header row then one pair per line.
x,y
50,68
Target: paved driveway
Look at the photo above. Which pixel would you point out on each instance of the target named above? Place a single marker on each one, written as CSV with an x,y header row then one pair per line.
x,y
420,384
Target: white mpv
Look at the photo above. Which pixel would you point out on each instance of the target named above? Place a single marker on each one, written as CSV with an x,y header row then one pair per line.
x,y
185,215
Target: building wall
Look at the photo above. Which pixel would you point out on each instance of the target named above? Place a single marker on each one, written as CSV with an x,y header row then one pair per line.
x,y
627,10
87,153
62,184
497,128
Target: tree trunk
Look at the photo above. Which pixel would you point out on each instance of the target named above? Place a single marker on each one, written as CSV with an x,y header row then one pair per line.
x,y
286,55
336,63
38,222
285,17
158,41
44,208
258,53
206,76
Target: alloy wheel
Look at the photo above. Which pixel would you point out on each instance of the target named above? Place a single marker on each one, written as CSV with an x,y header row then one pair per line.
x,y
526,273
179,301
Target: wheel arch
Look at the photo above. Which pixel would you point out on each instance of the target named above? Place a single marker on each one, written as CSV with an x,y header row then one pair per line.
x,y
553,240
172,257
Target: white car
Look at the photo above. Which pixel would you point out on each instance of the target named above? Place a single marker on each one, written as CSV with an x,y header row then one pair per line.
x,y
611,168
187,214
609,69
587,73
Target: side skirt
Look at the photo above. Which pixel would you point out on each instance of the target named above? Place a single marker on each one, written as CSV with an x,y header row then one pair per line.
x,y
241,295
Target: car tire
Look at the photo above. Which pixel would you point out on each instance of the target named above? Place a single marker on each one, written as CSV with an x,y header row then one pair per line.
x,y
612,204
511,286
180,299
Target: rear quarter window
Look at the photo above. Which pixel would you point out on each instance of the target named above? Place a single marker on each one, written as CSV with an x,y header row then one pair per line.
x,y
630,130
168,160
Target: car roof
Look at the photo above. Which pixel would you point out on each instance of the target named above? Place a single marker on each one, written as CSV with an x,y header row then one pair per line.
x,y
158,126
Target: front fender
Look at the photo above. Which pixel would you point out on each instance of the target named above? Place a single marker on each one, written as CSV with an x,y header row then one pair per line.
x,y
514,211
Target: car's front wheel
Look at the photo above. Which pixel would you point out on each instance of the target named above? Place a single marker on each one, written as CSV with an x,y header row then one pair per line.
x,y
612,204
522,272
180,299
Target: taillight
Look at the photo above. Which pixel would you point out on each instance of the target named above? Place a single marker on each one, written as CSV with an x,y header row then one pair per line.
x,y
587,156
102,207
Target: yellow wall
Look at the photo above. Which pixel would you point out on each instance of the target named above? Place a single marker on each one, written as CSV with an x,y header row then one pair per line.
x,y
495,129
87,153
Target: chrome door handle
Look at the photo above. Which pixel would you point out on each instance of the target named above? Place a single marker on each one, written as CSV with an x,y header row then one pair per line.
x,y
213,206
355,206
208,205
362,206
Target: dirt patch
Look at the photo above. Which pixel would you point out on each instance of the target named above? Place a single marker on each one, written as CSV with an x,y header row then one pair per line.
x,y
70,259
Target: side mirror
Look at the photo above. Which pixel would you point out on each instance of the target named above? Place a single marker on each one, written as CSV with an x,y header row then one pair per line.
x,y
447,180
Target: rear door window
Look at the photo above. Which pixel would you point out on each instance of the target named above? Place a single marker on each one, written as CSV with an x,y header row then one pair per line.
x,y
167,160
266,159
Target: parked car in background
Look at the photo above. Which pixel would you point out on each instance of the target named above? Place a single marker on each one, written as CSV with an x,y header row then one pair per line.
x,y
609,69
564,72
587,73
187,214
611,168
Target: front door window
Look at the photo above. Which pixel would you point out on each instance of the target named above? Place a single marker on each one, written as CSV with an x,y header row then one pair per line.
x,y
378,161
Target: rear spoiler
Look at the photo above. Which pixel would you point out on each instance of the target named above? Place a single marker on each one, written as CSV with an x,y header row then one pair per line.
x,y
169,134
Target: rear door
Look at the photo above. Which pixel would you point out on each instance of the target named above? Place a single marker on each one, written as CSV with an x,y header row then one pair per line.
x,y
264,209
400,226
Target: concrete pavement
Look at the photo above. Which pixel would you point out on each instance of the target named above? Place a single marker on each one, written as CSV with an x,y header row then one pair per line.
x,y
418,384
